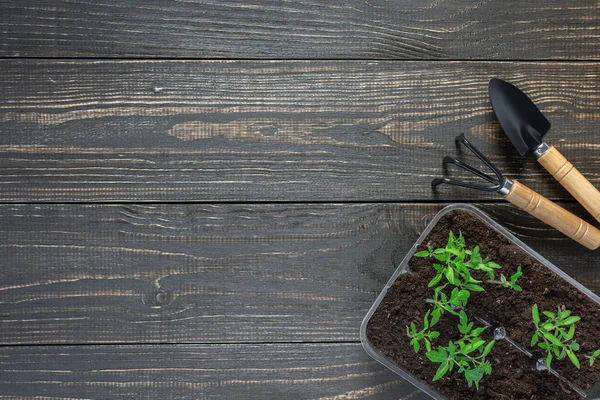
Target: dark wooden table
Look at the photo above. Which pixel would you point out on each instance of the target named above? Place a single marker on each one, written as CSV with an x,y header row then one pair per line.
x,y
201,199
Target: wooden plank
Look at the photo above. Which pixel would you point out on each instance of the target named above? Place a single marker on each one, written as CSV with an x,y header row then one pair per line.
x,y
267,371
270,131
217,273
463,29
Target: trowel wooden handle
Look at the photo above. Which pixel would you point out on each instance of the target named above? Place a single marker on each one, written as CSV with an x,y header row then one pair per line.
x,y
554,215
568,176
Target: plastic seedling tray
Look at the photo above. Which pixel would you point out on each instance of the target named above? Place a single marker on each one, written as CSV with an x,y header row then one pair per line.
x,y
403,268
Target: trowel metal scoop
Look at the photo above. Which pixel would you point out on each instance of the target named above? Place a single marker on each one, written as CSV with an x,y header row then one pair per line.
x,y
526,126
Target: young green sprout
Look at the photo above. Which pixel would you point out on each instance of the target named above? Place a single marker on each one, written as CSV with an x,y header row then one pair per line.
x,y
594,356
554,335
424,334
468,355
458,264
454,265
441,304
510,283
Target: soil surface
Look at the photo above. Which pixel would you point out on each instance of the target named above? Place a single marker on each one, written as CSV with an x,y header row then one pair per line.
x,y
513,374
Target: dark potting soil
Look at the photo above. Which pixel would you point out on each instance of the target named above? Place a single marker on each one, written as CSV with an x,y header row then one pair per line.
x,y
513,374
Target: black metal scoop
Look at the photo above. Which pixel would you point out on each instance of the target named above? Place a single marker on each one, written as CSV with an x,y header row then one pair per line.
x,y
497,181
521,120
526,126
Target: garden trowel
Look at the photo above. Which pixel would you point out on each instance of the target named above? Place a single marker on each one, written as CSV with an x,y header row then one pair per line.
x,y
526,126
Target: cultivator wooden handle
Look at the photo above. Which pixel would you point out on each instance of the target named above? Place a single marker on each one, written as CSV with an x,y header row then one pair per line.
x,y
554,215
572,180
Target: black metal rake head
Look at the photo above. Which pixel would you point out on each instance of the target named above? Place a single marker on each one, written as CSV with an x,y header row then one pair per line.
x,y
497,181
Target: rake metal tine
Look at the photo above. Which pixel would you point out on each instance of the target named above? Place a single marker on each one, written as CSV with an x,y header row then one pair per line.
x,y
452,160
462,139
439,181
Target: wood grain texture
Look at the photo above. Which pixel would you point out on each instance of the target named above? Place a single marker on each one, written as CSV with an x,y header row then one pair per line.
x,y
218,273
463,29
268,131
271,371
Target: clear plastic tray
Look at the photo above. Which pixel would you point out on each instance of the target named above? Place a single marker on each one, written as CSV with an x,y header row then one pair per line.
x,y
403,268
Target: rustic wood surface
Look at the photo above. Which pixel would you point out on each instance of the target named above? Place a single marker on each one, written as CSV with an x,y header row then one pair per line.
x,y
273,130
202,199
218,273
428,29
327,371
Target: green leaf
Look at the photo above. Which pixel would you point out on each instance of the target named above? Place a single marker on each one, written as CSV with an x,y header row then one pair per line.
x,y
451,349
552,339
462,318
543,346
474,288
574,346
433,334
463,329
441,371
562,354
435,316
571,333
473,376
423,253
478,331
570,320
548,326
535,314
450,275
427,344
555,349
471,347
594,356
487,367
488,347
463,295
502,279
451,238
516,275
534,339
435,280
465,348
492,264
438,289
549,314
441,257
439,251
426,320
548,360
453,251
478,343
517,288
435,356
573,358
416,346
